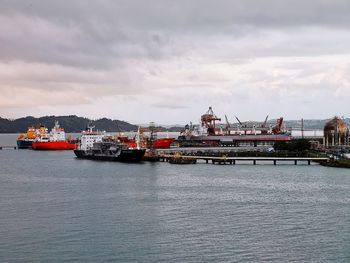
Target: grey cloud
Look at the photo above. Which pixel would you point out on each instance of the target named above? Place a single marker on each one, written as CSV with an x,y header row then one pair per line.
x,y
103,33
182,14
174,54
40,40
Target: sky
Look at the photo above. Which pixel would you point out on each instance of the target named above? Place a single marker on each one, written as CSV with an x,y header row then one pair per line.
x,y
167,61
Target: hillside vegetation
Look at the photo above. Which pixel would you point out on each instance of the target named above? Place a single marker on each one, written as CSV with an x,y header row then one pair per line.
x,y
70,123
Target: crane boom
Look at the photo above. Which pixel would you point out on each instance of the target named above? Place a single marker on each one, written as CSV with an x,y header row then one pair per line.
x,y
228,125
240,123
265,122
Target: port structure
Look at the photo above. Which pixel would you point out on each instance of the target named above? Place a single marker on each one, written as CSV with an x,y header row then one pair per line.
x,y
208,121
233,160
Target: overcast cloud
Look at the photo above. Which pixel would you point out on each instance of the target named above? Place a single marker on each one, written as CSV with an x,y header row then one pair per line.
x,y
167,61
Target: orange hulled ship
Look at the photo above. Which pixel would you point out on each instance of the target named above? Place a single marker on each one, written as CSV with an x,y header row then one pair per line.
x,y
26,140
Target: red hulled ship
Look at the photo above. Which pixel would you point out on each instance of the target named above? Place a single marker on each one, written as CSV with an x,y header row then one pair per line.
x,y
163,143
55,140
160,143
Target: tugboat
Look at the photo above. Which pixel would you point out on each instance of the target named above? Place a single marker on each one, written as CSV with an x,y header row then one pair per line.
x,y
25,141
178,159
99,146
55,140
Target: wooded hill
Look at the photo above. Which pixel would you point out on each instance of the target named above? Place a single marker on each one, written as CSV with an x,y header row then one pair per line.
x,y
70,123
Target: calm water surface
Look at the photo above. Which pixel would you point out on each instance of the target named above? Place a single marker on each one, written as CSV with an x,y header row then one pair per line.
x,y
55,208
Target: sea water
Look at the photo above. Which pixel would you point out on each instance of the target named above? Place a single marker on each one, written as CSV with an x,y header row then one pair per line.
x,y
56,208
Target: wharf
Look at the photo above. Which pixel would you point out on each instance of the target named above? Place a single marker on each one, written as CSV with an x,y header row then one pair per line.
x,y
8,148
234,160
221,149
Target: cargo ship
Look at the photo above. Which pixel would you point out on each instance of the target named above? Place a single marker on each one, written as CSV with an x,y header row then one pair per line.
x,y
95,145
26,140
209,134
55,140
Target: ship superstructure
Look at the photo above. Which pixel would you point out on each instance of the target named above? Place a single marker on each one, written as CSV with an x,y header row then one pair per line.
x,y
89,137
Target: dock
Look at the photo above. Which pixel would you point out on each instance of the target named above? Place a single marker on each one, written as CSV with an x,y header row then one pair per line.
x,y
252,160
210,150
8,147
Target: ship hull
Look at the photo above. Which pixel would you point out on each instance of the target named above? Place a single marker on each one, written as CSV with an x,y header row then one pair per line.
x,y
127,155
24,144
163,143
230,140
245,137
53,146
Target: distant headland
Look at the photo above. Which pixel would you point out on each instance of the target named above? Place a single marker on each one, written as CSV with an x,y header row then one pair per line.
x,y
73,123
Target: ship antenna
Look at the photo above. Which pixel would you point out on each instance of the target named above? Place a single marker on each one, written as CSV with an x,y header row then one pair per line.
x,y
138,138
90,127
